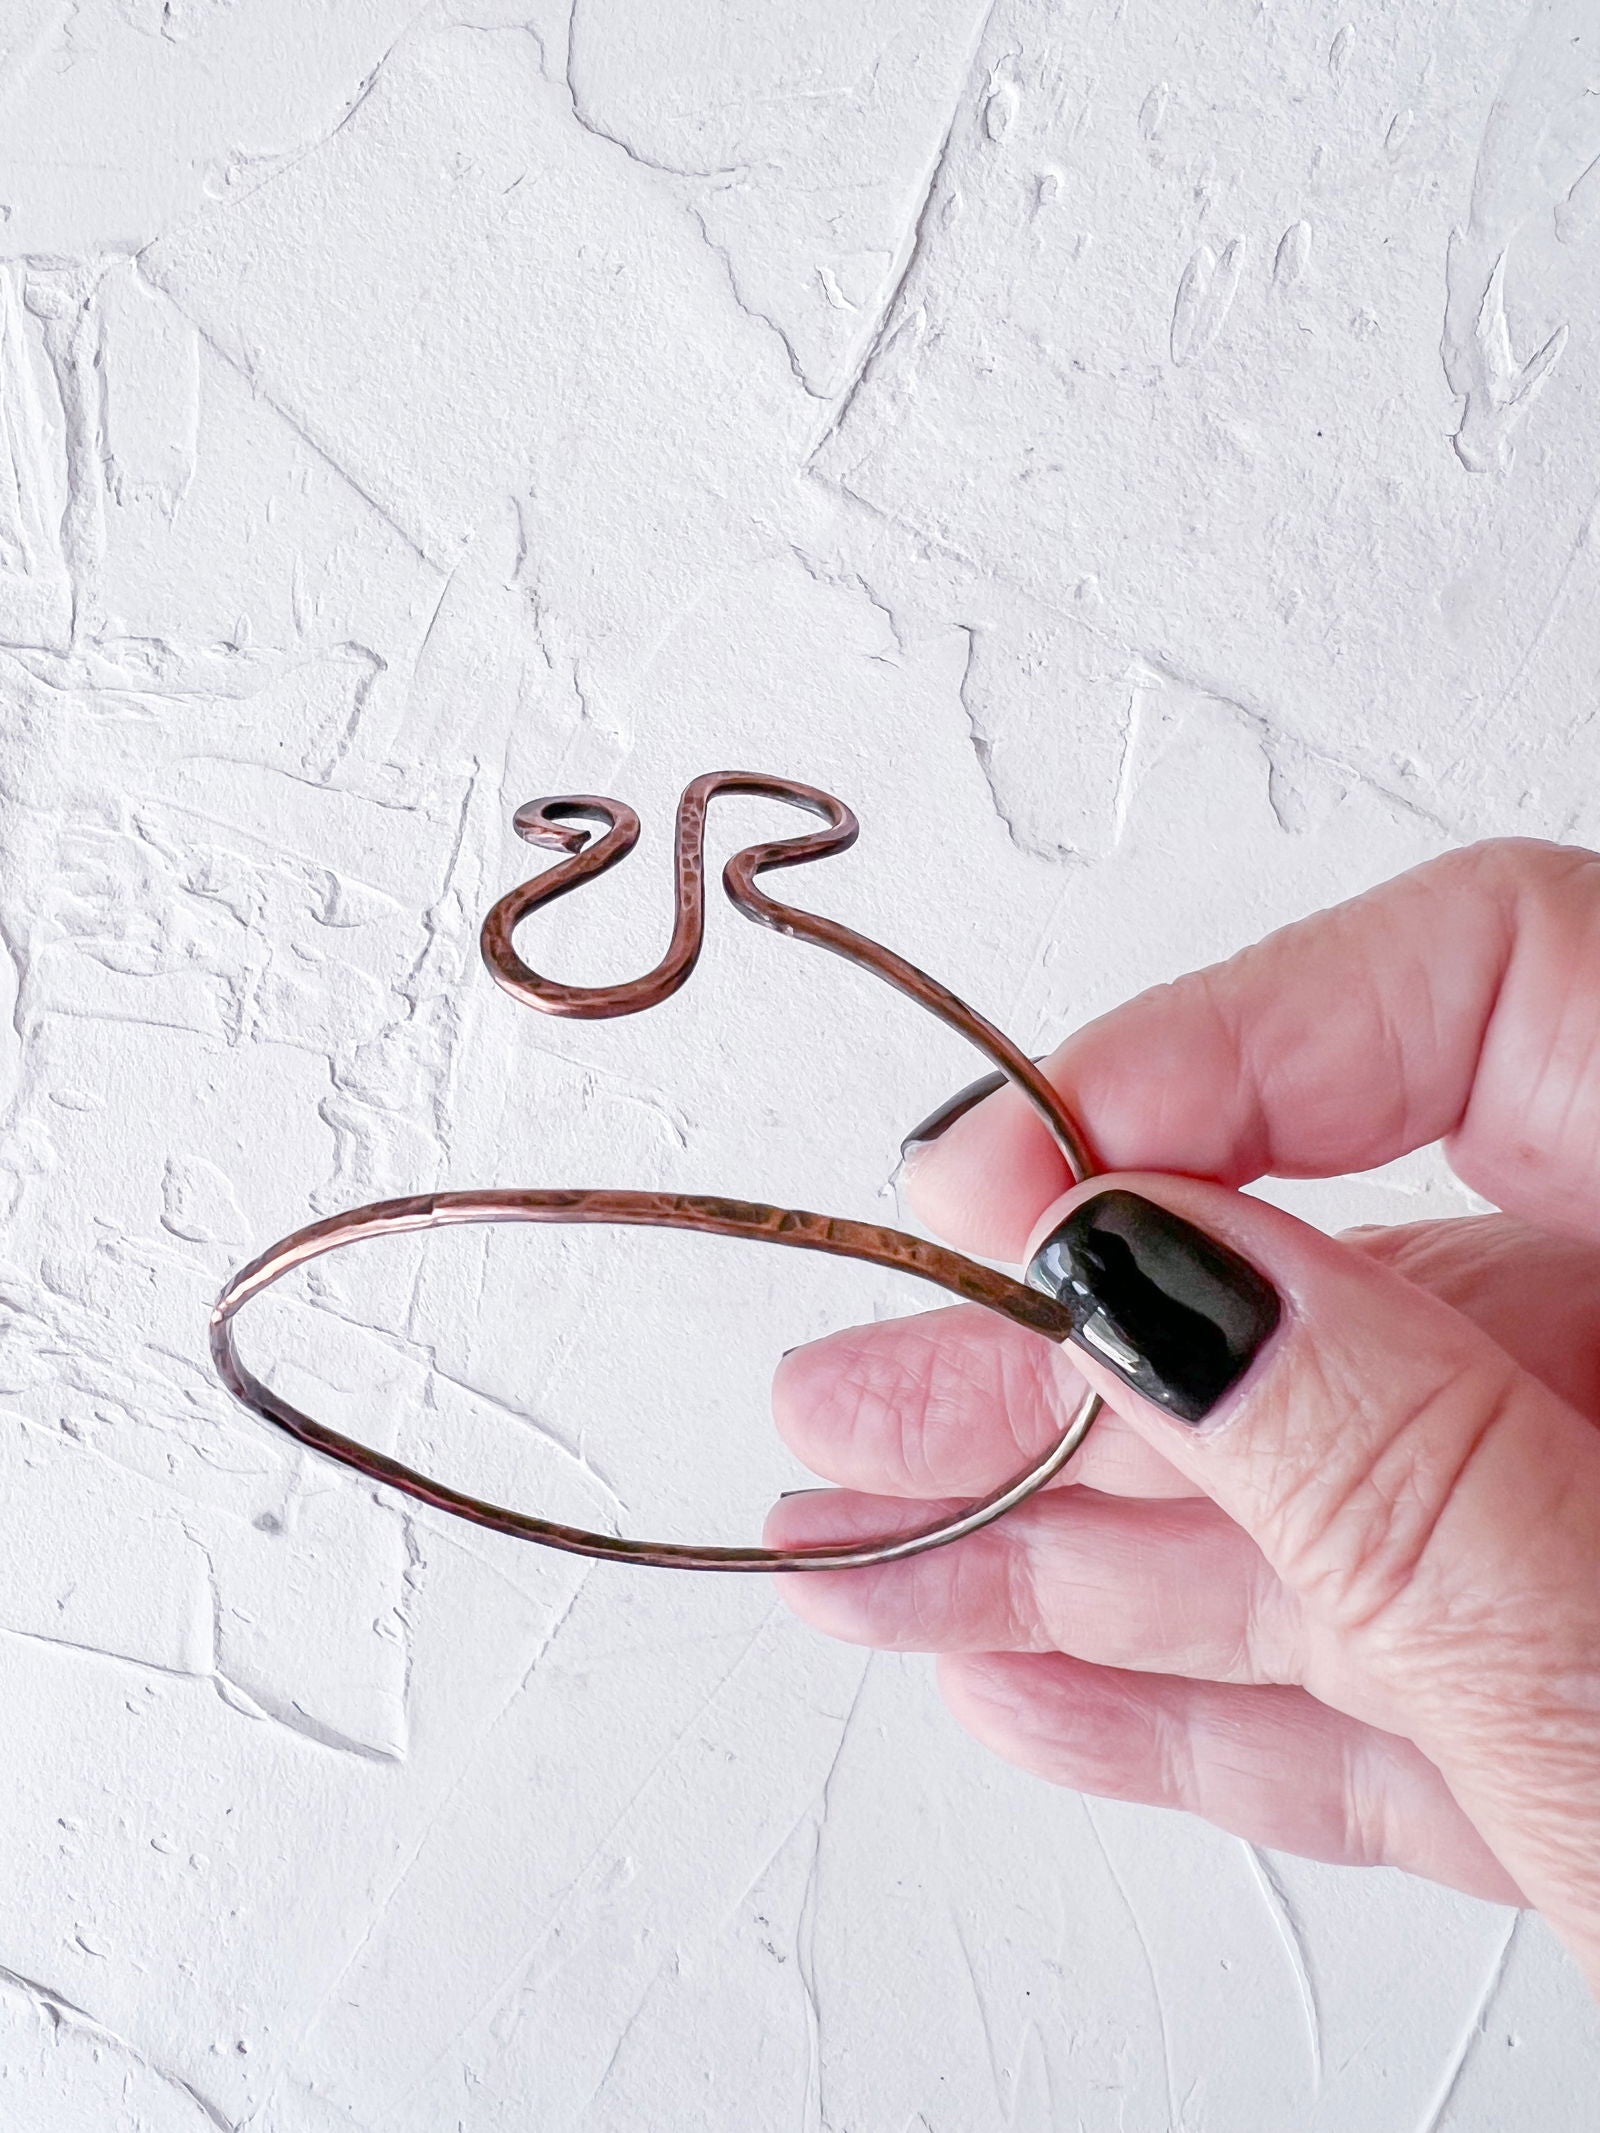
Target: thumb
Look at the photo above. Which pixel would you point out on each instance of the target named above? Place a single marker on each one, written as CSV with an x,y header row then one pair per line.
x,y
1435,1508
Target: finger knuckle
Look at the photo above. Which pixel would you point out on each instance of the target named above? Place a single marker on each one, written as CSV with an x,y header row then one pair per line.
x,y
1268,1647
1361,1537
1520,865
1364,1804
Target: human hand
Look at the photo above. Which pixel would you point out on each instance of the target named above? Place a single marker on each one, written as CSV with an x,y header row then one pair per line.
x,y
1352,1610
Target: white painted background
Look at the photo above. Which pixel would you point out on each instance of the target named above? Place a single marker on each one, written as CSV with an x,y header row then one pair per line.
x,y
1144,456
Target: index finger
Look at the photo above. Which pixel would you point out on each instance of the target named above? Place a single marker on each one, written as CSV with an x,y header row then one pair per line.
x,y
1460,1001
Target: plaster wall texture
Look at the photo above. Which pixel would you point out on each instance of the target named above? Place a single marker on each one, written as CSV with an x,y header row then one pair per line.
x,y
1146,459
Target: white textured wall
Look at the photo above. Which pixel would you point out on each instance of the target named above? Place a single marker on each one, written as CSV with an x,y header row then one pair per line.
x,y
1145,457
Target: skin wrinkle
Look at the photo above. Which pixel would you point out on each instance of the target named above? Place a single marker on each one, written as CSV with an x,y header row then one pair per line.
x,y
973,1568
1179,1758
1024,1612
1267,1637
1205,983
1367,1835
1392,1068
1356,1583
909,1448
1174,1611
1467,1262
880,1384
1039,1365
954,1368
1525,878
1045,1606
1424,994
1172,1639
1563,1063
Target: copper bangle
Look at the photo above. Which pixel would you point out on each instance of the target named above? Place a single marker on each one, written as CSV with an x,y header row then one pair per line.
x,y
548,823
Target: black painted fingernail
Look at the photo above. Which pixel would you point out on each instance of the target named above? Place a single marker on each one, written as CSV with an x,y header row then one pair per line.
x,y
958,1106
1174,1313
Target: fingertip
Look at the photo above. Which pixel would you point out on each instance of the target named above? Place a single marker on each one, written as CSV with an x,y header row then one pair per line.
x,y
788,1393
801,1519
805,1518
837,1602
806,1396
809,1518
979,1184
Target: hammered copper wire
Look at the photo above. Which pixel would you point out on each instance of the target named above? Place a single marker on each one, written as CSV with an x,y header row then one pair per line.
x,y
546,823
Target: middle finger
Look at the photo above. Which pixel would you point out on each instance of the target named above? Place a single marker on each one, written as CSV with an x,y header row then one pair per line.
x,y
1165,1587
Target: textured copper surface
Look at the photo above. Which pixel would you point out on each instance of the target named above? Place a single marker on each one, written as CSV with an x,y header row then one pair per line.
x,y
551,824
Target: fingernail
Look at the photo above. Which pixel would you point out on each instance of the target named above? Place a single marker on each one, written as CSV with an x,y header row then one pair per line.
x,y
1175,1314
958,1106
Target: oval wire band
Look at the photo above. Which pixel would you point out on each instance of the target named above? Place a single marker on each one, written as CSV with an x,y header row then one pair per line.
x,y
745,1219
546,823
